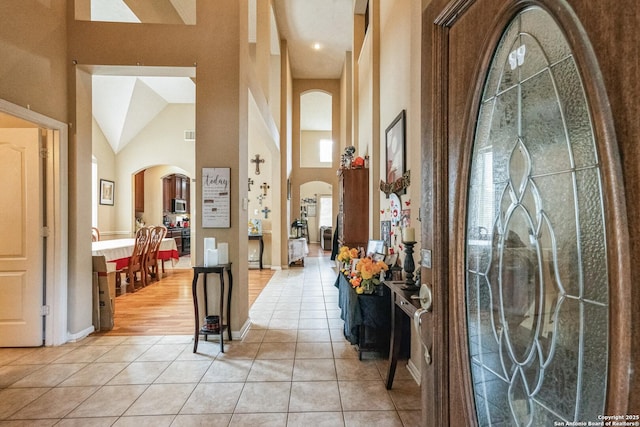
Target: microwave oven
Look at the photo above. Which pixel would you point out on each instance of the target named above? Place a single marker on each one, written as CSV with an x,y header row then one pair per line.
x,y
179,206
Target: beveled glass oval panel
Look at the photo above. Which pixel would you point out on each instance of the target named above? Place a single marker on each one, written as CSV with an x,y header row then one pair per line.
x,y
536,280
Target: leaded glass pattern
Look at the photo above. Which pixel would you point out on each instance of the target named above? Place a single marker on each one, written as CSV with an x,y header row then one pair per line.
x,y
536,275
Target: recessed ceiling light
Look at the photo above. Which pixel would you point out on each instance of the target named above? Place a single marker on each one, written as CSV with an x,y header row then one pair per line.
x,y
316,46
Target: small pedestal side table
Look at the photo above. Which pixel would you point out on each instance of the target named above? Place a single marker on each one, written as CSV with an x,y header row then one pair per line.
x,y
219,269
261,241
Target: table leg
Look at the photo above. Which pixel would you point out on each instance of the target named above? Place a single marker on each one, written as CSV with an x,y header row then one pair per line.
x,y
194,290
206,302
230,277
396,341
221,311
261,250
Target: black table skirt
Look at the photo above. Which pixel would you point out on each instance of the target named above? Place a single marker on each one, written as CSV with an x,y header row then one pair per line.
x,y
372,311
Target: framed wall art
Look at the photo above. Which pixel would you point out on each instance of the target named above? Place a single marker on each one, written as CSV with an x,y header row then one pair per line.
x,y
385,232
216,197
311,210
107,189
395,148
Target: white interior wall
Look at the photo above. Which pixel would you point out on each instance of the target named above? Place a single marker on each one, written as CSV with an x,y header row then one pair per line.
x,y
310,148
400,50
106,163
261,142
160,143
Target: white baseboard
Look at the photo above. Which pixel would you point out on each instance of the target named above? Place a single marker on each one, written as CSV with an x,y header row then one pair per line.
x,y
414,371
239,335
80,335
276,267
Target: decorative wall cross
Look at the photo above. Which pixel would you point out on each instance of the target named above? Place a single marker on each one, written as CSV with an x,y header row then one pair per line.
x,y
264,187
257,160
250,184
266,211
260,199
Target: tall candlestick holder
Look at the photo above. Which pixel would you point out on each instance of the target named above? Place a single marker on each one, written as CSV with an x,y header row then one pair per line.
x,y
409,266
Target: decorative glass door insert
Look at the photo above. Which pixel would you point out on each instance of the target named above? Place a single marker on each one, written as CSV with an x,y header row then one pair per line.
x,y
536,266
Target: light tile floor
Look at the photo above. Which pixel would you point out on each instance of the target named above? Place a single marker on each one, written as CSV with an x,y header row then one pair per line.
x,y
293,368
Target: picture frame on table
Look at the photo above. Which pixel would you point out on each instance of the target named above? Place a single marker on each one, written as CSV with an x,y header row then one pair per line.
x,y
377,257
375,247
391,260
396,274
107,191
354,263
395,136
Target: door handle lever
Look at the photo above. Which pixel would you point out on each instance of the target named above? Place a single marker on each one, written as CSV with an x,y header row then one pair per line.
x,y
417,323
424,296
426,301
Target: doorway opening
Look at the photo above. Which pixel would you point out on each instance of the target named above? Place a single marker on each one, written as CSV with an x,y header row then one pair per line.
x,y
49,142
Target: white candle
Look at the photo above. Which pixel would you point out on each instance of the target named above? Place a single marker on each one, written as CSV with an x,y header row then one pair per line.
x,y
409,234
209,243
223,253
211,258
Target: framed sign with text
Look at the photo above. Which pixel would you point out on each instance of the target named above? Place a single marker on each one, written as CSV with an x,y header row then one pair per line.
x,y
216,199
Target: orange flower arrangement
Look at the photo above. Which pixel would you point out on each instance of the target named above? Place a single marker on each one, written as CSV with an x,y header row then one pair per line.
x,y
367,275
345,255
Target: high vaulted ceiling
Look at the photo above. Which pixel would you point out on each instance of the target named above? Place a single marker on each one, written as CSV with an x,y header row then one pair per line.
x,y
125,102
306,22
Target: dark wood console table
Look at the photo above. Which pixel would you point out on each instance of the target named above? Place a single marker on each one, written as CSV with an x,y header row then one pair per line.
x,y
226,324
258,237
402,310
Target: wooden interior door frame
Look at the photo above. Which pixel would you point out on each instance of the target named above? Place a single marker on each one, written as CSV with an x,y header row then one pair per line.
x,y
435,376
445,198
56,328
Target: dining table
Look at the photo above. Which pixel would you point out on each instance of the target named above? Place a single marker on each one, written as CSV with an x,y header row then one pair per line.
x,y
119,251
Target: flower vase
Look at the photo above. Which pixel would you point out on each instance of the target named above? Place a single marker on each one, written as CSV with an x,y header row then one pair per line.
x,y
369,287
379,290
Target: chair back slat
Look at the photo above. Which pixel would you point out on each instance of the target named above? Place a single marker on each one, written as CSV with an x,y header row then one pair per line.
x,y
157,234
140,247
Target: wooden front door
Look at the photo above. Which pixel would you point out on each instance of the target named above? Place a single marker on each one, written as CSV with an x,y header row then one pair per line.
x,y
526,109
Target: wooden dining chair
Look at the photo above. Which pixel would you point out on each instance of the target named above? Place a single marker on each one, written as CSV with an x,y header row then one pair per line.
x,y
95,234
136,261
158,233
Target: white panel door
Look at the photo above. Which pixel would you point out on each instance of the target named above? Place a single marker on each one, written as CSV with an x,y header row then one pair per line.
x,y
21,245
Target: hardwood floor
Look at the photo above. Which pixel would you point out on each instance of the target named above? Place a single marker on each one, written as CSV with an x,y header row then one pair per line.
x,y
163,308
258,279
166,307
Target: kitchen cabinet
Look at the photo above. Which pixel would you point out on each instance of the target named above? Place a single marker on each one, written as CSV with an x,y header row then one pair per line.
x,y
353,208
176,234
167,193
139,192
182,236
182,187
175,186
